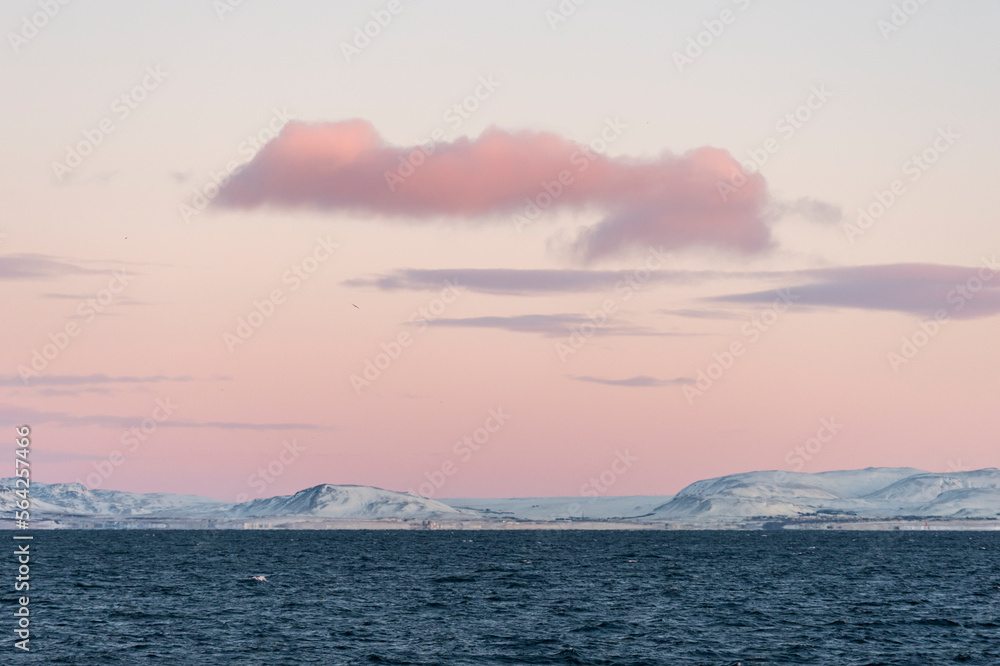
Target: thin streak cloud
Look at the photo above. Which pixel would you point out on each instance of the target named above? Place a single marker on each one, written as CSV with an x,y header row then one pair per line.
x,y
639,381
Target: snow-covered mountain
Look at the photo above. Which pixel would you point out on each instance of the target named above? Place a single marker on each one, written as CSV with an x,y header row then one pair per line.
x,y
75,499
868,493
348,503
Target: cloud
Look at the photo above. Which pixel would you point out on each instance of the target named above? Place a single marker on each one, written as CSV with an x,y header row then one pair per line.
x,y
497,280
512,281
545,324
921,289
46,456
643,381
964,292
52,392
701,314
811,209
670,201
96,378
121,300
13,415
37,266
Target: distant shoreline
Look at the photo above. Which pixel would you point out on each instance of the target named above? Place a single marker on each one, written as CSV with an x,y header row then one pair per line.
x,y
755,525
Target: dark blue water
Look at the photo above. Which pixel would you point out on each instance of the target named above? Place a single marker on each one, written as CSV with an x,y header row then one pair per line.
x,y
531,597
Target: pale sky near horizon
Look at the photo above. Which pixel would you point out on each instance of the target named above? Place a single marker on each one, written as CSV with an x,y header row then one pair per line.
x,y
646,233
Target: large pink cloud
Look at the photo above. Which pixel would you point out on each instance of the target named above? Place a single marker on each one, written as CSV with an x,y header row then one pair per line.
x,y
670,201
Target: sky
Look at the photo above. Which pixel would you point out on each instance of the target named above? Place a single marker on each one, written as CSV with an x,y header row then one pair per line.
x,y
472,249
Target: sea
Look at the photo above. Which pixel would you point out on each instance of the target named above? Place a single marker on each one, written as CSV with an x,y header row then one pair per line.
x,y
716,598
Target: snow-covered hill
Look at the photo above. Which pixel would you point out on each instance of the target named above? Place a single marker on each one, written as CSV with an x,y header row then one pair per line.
x,y
348,503
867,493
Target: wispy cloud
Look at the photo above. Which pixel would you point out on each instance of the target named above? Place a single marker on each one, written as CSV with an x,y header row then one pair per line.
x,y
96,378
46,456
921,289
548,325
37,267
915,288
71,392
639,381
14,415
701,314
512,281
811,209
120,300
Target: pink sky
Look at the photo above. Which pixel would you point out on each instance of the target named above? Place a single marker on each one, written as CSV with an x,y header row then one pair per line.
x,y
494,275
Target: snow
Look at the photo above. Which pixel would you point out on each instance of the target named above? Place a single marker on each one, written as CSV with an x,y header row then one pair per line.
x,y
561,508
557,508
